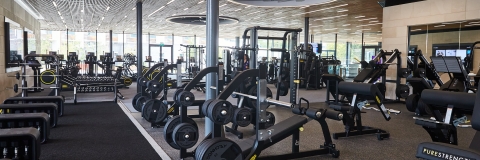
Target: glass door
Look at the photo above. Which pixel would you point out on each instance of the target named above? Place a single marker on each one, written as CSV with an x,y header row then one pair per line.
x,y
370,52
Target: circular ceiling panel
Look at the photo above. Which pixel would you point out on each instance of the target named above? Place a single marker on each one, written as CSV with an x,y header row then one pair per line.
x,y
281,3
199,19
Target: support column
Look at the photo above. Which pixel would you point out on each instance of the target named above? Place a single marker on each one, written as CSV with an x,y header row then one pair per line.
x,y
123,43
237,42
335,54
212,51
67,43
139,43
111,43
305,36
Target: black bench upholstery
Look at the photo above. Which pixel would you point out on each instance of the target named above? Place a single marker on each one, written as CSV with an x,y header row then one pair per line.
x,y
48,108
460,100
21,120
23,137
59,100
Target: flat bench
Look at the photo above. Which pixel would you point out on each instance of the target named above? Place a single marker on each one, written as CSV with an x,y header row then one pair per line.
x,y
59,100
48,108
41,121
25,140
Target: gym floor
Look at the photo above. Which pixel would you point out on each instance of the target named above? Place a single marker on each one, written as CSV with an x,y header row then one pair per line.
x,y
99,129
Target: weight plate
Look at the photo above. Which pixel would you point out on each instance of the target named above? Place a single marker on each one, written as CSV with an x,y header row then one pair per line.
x,y
140,101
220,112
242,117
185,135
170,126
404,72
218,148
162,112
205,106
285,73
186,98
154,74
252,103
411,102
284,86
134,100
127,81
176,93
402,91
271,120
147,108
142,81
422,108
154,86
46,77
420,72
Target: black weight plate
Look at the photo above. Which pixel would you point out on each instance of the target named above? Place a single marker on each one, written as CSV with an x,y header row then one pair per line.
x,y
162,112
411,102
205,106
283,87
176,93
140,101
404,72
215,110
253,91
242,117
285,73
402,91
185,135
420,72
186,98
170,126
154,86
147,108
134,100
422,108
218,148
142,81
271,120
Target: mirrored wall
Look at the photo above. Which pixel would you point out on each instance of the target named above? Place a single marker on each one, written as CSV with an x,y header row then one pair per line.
x,y
14,45
447,39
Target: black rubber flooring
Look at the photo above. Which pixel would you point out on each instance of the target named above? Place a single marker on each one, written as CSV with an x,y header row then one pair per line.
x,y
96,131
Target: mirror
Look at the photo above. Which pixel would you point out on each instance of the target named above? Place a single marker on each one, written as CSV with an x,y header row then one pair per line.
x,y
14,47
31,41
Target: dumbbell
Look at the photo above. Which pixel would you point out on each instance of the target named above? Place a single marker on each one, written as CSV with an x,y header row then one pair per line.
x,y
15,88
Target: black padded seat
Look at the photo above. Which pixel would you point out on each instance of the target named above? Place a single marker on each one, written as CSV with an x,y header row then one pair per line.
x,y
435,150
419,83
59,100
366,89
460,100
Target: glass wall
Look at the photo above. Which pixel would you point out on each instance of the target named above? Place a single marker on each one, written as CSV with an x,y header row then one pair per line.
x,y
447,39
31,41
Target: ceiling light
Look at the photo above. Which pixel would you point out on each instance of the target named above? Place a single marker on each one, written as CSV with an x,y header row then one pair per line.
x,y
185,9
325,18
347,29
156,11
278,18
330,29
365,29
344,10
201,1
372,21
346,25
316,26
203,12
103,18
303,7
416,30
277,13
125,16
321,9
66,26
108,8
439,25
174,14
54,4
369,24
61,17
367,19
133,8
81,10
237,10
81,19
222,5
170,1
359,16
59,13
474,22
99,24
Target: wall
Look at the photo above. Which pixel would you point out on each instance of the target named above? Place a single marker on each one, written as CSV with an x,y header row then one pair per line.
x,y
13,11
396,20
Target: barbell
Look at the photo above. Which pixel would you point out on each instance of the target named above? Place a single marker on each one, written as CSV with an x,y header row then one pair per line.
x,y
318,114
15,88
17,75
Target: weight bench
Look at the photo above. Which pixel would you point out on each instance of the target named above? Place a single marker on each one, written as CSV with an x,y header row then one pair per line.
x,y
41,121
59,100
48,108
437,101
357,94
24,141
332,80
437,150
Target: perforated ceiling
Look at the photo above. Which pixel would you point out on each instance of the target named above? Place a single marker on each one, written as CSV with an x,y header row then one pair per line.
x,y
348,18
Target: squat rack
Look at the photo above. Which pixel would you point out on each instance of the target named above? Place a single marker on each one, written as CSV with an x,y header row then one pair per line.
x,y
252,50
